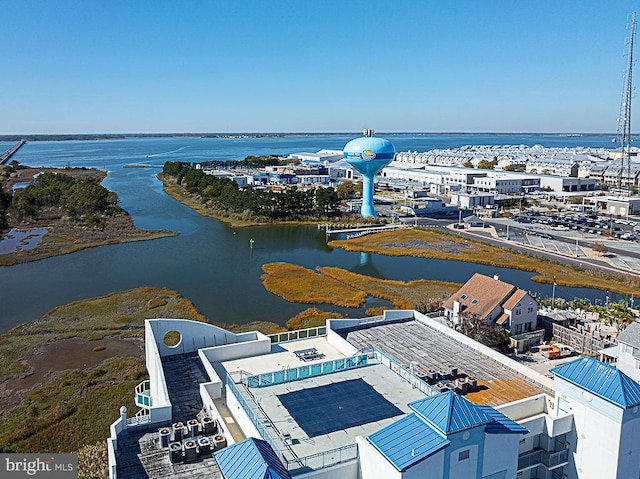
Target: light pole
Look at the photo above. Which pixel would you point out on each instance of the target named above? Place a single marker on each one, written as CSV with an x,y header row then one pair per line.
x,y
553,292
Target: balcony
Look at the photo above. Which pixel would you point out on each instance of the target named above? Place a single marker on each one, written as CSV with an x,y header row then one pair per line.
x,y
550,460
143,395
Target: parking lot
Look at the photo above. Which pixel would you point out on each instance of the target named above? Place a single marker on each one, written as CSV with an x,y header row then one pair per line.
x,y
554,245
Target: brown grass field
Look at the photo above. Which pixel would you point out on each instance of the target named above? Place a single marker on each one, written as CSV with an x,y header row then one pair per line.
x,y
343,288
429,243
301,285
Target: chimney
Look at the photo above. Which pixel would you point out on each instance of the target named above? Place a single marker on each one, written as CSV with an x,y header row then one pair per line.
x,y
496,277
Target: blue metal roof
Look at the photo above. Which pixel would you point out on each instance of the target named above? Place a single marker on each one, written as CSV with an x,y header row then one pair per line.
x,y
407,441
501,424
250,459
450,412
600,379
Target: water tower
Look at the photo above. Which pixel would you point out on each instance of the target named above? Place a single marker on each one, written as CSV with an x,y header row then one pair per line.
x,y
368,155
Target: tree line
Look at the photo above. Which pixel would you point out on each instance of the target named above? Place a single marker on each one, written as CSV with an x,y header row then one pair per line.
x,y
225,197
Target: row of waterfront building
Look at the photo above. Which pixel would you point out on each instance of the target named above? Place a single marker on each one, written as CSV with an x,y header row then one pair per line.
x,y
516,169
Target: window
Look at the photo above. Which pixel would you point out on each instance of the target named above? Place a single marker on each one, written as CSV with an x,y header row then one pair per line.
x,y
463,455
475,301
464,296
517,312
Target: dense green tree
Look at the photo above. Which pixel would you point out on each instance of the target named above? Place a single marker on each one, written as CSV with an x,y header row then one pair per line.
x,y
326,200
75,198
348,190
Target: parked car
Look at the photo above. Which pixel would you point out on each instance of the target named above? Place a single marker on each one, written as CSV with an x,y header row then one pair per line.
x,y
557,350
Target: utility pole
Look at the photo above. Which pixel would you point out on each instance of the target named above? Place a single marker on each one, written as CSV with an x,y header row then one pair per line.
x,y
553,294
624,119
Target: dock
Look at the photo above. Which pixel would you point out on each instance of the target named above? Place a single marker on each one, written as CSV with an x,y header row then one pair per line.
x,y
6,156
361,230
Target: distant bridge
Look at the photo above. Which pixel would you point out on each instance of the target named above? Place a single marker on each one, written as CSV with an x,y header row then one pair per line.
x,y
6,156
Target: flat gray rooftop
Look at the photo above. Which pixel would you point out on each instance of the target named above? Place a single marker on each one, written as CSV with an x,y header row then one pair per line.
x,y
296,408
142,457
431,349
184,375
140,454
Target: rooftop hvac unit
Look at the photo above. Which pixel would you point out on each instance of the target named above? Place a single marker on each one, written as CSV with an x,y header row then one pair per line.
x,y
219,442
209,426
190,452
165,434
473,383
204,446
178,429
193,425
462,386
175,452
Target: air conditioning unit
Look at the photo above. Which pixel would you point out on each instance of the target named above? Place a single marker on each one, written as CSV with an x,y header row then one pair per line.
x,y
219,442
165,434
175,452
204,446
194,427
190,451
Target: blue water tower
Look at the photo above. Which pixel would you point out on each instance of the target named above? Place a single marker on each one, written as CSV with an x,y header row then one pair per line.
x,y
368,155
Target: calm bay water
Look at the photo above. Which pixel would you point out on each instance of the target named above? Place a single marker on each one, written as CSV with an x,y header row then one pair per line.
x,y
209,262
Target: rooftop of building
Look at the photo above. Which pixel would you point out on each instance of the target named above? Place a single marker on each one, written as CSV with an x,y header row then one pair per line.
x,y
141,455
630,335
602,380
480,295
324,412
415,437
429,348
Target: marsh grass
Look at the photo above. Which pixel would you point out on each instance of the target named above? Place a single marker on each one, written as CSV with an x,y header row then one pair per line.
x,y
430,243
403,295
311,318
343,288
64,238
75,407
301,285
265,327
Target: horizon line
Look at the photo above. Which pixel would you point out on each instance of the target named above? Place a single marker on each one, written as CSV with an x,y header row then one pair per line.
x,y
312,133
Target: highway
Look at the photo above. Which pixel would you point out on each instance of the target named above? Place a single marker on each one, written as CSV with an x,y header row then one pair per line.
x,y
6,156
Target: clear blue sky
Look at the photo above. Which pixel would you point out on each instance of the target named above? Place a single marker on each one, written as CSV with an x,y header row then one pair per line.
x,y
319,66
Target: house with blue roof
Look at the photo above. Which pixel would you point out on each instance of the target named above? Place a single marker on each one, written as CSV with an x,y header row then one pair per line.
x,y
446,436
